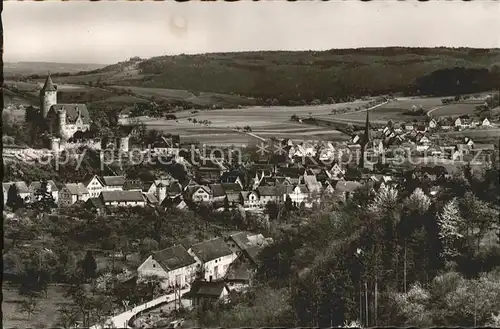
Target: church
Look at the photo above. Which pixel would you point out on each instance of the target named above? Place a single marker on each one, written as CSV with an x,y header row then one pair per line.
x,y
62,120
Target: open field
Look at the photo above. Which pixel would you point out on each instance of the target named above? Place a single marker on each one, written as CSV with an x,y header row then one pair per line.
x,y
46,315
264,121
486,135
454,110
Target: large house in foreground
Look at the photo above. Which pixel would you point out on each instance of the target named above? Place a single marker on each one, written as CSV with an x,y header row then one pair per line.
x,y
214,256
174,265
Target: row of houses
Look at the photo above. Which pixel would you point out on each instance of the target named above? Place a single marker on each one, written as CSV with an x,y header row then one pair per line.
x,y
226,262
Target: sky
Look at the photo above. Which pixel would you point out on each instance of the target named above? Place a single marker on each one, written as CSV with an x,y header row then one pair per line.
x,y
111,31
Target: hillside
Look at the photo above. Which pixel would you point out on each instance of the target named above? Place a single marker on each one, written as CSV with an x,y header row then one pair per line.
x,y
18,69
304,75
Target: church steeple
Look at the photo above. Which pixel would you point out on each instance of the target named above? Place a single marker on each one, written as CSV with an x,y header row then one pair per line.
x,y
368,136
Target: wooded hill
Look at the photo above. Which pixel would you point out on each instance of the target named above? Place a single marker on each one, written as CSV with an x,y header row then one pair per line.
x,y
308,75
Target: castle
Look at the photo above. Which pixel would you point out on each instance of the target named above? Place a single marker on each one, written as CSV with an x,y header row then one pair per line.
x,y
63,120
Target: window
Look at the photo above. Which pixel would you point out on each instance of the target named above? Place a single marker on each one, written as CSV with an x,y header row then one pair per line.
x,y
154,265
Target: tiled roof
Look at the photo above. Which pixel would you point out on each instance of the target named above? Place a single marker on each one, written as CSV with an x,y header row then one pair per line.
x,y
347,186
49,85
234,187
241,240
217,190
96,203
173,258
211,249
113,180
77,189
135,184
21,186
284,189
150,198
233,196
73,111
266,190
35,186
206,289
122,196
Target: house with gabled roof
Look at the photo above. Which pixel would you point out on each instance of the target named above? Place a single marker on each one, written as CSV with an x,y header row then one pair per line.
x,y
125,198
486,123
214,257
70,193
266,194
206,295
251,199
198,193
232,178
174,265
217,192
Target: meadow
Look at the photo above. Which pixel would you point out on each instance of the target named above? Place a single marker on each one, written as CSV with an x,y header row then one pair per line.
x,y
46,314
265,122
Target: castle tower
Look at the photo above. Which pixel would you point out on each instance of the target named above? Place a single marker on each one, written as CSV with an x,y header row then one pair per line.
x,y
62,124
123,144
48,96
161,192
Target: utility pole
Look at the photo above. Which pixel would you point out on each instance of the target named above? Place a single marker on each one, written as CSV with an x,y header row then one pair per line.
x,y
366,304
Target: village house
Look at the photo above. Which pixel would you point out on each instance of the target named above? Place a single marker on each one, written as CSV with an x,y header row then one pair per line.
x,y
486,123
51,188
174,265
266,194
251,199
299,194
96,184
166,145
198,193
123,198
72,192
241,241
214,256
217,192
207,295
433,124
22,190
231,178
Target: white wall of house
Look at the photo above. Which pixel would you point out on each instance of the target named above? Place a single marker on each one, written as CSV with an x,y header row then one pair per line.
x,y
217,268
66,198
183,276
200,196
113,188
95,187
265,199
297,196
252,202
126,203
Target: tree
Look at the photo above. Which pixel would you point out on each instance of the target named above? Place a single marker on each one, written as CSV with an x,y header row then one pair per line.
x,y
148,245
29,305
44,200
450,229
14,200
415,207
349,128
89,265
